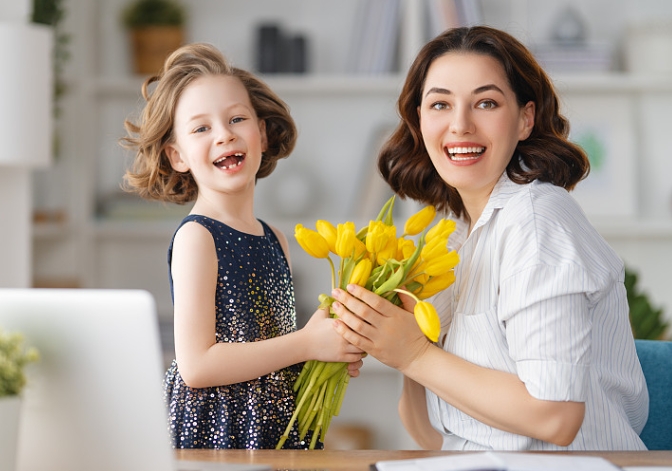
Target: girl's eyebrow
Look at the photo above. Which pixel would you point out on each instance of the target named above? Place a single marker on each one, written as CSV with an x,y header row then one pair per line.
x,y
196,117
484,88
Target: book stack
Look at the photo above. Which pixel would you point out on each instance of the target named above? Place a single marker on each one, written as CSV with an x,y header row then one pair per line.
x,y
374,43
445,14
588,57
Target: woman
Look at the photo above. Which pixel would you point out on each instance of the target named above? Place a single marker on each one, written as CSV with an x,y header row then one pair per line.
x,y
536,351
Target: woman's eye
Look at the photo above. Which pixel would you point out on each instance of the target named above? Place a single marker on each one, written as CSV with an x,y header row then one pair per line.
x,y
487,105
439,105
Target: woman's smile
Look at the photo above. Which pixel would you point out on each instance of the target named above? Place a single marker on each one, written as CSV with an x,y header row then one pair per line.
x,y
464,153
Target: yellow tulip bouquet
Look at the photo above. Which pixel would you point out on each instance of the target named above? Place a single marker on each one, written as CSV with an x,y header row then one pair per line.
x,y
373,257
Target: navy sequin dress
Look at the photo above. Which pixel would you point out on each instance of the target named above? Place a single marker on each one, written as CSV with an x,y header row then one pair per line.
x,y
254,301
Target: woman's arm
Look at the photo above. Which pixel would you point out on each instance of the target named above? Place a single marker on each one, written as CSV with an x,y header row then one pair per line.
x,y
414,416
203,362
493,397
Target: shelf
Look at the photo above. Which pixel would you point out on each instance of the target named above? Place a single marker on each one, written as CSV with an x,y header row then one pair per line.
x,y
614,82
51,230
281,84
134,229
635,229
310,85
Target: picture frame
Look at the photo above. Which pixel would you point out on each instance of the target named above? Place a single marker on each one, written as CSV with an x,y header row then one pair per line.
x,y
604,126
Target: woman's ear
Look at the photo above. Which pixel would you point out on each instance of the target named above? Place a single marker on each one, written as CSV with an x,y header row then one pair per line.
x,y
175,159
527,114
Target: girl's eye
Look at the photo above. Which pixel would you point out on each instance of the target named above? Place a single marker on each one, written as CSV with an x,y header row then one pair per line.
x,y
237,119
487,105
201,129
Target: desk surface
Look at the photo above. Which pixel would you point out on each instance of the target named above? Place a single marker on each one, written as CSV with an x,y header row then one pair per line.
x,y
360,460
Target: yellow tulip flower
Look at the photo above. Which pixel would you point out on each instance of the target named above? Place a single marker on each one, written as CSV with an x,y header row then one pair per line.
x,y
360,249
428,320
390,248
434,248
436,284
405,248
419,221
345,239
440,265
376,237
313,243
361,273
443,228
328,231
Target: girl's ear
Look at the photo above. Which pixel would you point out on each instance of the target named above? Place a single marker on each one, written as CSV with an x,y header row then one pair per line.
x,y
264,137
175,159
527,114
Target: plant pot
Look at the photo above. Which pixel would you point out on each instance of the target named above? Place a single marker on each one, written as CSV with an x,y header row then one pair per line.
x,y
10,407
152,44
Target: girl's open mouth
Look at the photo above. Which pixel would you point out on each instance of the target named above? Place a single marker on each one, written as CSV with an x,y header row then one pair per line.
x,y
230,161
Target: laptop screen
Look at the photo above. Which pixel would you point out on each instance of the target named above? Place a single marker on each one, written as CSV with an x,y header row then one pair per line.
x,y
94,400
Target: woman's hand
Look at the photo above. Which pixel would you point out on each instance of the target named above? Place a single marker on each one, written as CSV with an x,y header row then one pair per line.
x,y
378,327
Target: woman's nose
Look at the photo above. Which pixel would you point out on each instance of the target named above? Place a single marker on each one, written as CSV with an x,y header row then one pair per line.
x,y
462,122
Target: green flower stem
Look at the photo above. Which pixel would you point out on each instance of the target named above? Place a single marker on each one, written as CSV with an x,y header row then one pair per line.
x,y
318,385
312,411
305,372
333,273
305,415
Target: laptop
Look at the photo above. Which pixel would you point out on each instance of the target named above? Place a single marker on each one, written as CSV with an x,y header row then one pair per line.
x,y
94,401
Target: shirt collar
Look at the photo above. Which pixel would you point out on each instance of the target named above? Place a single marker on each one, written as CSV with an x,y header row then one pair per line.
x,y
503,191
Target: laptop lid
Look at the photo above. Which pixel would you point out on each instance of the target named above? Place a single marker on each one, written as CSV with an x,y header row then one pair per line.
x,y
94,400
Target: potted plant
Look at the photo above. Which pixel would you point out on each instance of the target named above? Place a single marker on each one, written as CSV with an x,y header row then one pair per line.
x,y
13,359
156,28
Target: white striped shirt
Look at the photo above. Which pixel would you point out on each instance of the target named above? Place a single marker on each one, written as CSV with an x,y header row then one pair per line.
x,y
539,293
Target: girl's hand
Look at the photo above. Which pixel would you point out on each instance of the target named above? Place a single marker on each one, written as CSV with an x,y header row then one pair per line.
x,y
354,367
325,344
375,325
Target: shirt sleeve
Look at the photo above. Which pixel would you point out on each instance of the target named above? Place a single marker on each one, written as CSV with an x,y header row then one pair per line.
x,y
548,329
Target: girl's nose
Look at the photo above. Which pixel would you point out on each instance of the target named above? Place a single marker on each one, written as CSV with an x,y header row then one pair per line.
x,y
226,135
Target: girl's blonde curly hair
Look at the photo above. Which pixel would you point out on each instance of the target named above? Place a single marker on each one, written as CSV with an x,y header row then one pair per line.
x,y
151,175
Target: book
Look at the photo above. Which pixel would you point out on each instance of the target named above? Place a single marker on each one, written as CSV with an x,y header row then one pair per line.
x,y
375,37
500,461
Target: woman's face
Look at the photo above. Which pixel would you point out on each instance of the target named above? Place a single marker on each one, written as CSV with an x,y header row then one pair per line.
x,y
471,122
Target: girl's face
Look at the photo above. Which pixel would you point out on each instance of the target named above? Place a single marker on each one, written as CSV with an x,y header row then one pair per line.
x,y
471,122
217,135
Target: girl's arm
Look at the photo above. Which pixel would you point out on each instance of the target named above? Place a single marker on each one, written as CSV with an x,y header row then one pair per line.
x,y
493,397
202,361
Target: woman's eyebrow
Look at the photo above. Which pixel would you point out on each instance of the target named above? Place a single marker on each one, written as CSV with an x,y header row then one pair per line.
x,y
443,91
487,88
484,88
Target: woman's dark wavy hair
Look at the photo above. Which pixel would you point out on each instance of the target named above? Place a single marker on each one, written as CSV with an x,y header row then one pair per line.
x,y
546,155
151,175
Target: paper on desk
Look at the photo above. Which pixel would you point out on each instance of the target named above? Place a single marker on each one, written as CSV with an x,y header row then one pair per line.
x,y
500,461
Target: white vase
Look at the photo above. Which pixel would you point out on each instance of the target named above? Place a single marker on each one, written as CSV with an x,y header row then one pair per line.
x,y
10,407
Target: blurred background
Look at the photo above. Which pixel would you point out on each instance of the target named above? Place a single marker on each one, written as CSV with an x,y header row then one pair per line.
x,y
340,66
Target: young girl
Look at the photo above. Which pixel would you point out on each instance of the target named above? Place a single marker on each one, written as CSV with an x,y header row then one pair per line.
x,y
207,133
536,350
